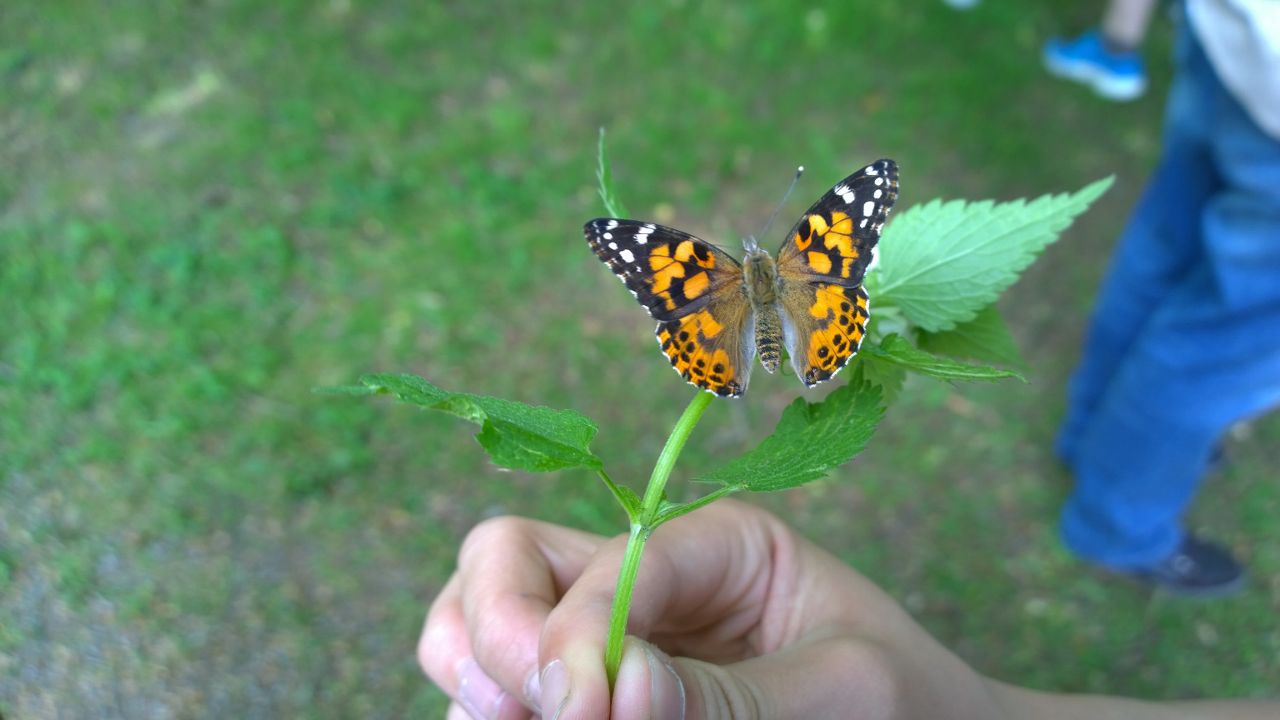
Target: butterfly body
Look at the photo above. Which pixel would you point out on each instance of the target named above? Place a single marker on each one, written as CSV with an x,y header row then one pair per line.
x,y
762,285
715,314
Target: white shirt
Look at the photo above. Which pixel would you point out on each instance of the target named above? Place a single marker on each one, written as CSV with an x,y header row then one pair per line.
x,y
1242,40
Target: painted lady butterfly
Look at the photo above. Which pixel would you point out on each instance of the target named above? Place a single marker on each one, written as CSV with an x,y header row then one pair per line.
x,y
715,314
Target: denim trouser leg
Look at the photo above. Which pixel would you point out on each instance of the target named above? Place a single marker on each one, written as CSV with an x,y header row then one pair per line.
x,y
1185,338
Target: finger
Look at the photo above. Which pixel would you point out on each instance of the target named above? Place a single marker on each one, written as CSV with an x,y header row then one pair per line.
x,y
444,651
814,678
723,575
512,571
444,642
743,583
706,577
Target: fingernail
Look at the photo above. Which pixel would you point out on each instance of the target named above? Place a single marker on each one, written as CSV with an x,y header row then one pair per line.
x,y
555,688
533,691
667,687
647,679
478,694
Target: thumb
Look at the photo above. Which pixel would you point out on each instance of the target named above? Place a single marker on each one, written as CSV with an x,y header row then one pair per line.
x,y
648,685
830,677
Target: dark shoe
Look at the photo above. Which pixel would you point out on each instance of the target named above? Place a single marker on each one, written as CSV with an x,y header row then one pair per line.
x,y
1198,568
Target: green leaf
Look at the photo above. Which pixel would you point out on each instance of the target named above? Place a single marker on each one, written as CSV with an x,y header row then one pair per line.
x,y
896,350
942,263
629,501
517,436
612,205
345,390
888,376
810,439
986,337
625,496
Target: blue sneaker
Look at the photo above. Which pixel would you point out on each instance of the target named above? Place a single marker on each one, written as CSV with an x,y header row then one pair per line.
x,y
1115,76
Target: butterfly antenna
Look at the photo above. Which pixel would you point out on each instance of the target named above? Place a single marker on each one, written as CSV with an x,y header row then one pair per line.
x,y
787,194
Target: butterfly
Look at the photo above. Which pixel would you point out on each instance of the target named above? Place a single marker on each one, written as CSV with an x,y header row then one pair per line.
x,y
715,314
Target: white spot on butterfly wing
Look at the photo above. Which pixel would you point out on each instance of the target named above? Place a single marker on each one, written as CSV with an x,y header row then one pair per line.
x,y
867,208
611,225
627,256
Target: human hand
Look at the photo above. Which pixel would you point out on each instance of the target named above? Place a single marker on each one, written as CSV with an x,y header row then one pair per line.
x,y
741,617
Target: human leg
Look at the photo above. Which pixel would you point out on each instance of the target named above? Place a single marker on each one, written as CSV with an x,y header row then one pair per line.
x,y
1198,366
1159,247
1206,355
1125,23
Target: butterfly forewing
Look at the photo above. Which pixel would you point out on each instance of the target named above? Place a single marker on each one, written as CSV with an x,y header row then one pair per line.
x,y
834,240
671,273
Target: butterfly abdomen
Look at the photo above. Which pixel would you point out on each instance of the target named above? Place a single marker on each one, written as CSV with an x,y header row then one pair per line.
x,y
761,283
769,337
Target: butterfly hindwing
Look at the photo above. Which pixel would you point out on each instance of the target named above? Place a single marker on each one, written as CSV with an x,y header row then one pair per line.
x,y
821,265
712,348
823,326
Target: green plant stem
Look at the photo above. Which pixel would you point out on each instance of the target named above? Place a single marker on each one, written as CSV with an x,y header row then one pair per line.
x,y
642,526
667,459
622,600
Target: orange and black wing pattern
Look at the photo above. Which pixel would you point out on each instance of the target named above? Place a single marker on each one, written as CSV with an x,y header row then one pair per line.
x,y
821,265
693,289
834,240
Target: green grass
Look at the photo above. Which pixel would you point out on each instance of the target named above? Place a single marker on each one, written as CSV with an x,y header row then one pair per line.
x,y
208,209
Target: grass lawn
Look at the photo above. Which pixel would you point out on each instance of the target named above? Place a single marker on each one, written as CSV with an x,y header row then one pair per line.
x,y
209,208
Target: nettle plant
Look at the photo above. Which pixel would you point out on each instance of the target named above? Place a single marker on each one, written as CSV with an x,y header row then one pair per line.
x,y
941,267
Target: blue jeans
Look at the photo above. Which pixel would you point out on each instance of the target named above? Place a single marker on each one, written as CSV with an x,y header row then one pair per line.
x,y
1185,337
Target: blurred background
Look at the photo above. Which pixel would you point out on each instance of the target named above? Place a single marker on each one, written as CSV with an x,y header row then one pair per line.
x,y
208,208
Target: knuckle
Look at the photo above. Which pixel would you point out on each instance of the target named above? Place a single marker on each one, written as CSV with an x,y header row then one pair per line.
x,y
492,534
725,695
494,645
